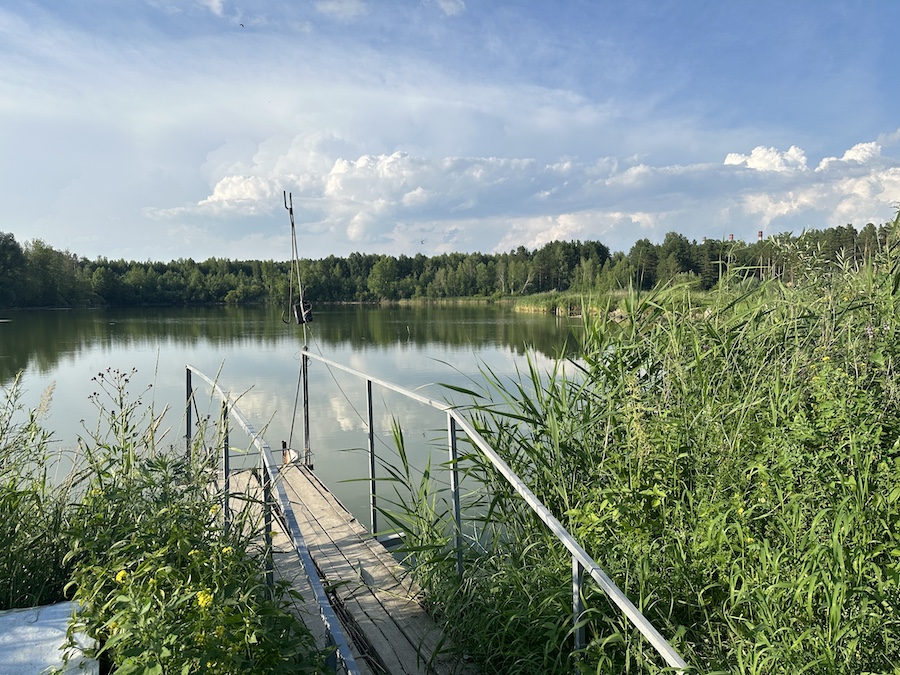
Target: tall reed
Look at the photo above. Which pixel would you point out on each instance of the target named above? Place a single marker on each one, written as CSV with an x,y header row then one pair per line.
x,y
32,506
734,469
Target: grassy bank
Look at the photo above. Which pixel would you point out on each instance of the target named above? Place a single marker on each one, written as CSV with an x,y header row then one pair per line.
x,y
735,470
136,536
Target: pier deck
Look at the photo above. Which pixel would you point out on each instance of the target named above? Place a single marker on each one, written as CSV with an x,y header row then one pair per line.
x,y
378,603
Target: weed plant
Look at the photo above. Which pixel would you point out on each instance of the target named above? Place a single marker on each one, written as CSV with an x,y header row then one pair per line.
x,y
140,544
32,507
734,469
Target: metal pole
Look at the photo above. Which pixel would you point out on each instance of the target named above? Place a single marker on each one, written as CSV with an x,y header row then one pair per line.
x,y
373,506
578,602
307,455
267,519
187,412
226,461
454,491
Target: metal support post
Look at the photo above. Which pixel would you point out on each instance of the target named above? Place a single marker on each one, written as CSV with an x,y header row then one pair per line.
x,y
373,506
578,603
454,492
307,454
267,522
226,462
187,412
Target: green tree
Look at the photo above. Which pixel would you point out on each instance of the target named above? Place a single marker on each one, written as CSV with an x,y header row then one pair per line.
x,y
644,259
383,278
12,270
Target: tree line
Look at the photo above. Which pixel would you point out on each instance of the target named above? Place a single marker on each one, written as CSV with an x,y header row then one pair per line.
x,y
37,275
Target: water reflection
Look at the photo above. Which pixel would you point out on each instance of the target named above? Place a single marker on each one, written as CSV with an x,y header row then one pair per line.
x,y
257,357
37,340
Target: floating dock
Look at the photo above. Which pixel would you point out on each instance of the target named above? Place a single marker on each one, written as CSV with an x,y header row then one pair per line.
x,y
375,599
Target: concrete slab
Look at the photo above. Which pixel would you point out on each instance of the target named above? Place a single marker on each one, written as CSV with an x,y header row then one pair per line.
x,y
31,642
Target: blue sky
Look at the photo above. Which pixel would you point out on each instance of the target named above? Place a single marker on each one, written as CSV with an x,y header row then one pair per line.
x,y
164,129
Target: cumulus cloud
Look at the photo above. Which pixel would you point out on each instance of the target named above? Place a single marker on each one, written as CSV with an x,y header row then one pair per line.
x,y
240,193
606,226
770,159
403,202
861,186
861,153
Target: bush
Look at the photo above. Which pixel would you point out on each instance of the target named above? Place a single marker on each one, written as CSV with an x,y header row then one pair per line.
x,y
139,542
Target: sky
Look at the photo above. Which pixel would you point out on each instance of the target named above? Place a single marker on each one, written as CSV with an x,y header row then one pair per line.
x,y
167,129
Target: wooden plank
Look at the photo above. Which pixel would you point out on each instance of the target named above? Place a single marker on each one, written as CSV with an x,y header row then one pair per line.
x,y
286,562
380,595
388,629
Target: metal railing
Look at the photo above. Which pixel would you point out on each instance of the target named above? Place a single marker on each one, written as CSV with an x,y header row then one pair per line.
x,y
342,656
581,562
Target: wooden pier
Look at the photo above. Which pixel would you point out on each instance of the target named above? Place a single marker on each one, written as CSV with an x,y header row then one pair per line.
x,y
377,602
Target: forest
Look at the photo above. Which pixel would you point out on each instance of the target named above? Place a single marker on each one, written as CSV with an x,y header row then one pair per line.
x,y
34,274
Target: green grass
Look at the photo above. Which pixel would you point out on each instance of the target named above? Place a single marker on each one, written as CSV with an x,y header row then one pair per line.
x,y
136,537
735,468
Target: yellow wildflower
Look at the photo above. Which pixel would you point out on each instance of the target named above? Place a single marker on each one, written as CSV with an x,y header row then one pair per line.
x,y
121,576
193,553
227,550
204,598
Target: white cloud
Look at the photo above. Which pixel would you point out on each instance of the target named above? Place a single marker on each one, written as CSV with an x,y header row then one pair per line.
x,y
242,193
854,189
343,10
452,7
214,6
861,153
401,202
613,228
770,159
889,139
417,197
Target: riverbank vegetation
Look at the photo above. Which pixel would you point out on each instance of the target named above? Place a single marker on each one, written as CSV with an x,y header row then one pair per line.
x,y
735,470
136,537
37,275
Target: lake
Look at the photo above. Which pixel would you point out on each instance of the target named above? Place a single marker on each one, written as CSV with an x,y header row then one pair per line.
x,y
257,358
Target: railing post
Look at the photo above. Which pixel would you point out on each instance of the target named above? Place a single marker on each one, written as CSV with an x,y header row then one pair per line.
x,y
373,504
187,412
331,661
226,462
454,491
307,454
578,603
267,522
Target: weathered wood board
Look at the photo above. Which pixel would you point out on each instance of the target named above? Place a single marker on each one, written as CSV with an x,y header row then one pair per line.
x,y
385,623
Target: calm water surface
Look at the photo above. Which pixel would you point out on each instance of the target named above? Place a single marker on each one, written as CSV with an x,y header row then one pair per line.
x,y
257,358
